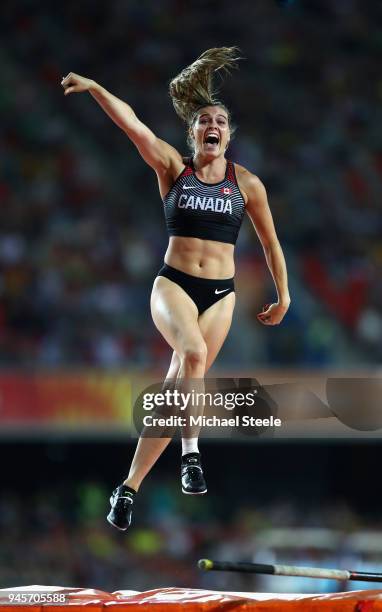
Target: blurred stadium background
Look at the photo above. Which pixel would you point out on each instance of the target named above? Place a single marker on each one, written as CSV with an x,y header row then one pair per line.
x,y
82,236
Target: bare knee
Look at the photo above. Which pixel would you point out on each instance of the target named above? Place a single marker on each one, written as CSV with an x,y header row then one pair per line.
x,y
194,359
173,372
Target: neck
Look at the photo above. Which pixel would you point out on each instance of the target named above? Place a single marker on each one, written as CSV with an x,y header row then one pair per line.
x,y
208,167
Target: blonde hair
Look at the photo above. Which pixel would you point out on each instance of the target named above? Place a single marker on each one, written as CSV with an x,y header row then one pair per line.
x,y
193,88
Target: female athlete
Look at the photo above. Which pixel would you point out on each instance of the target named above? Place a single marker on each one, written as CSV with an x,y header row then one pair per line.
x,y
205,198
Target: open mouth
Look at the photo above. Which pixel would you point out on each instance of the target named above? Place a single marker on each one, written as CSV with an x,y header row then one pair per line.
x,y
211,139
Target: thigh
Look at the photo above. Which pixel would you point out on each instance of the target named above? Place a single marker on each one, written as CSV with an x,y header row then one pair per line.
x,y
175,315
214,325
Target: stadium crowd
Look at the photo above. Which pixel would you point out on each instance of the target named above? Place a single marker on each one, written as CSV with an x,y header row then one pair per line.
x,y
82,236
81,227
63,540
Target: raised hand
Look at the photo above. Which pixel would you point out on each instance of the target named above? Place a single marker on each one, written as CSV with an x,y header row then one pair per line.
x,y
75,83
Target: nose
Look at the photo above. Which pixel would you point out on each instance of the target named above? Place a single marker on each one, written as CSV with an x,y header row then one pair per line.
x,y
213,123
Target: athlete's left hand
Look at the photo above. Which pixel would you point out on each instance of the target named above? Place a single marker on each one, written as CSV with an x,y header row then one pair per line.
x,y
272,314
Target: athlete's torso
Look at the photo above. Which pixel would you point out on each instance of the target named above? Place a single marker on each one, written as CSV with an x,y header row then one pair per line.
x,y
205,211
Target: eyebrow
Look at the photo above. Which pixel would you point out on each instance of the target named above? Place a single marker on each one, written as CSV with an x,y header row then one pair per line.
x,y
209,115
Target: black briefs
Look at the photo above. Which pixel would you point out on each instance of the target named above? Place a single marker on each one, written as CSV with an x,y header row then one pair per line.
x,y
204,292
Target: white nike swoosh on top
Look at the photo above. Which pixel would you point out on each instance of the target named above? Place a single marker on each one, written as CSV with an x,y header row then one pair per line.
x,y
221,291
189,186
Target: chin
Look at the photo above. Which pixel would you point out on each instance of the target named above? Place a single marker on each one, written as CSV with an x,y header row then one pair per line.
x,y
213,154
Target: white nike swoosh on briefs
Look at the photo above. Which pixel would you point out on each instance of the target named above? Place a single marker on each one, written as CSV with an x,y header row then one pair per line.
x,y
221,291
189,186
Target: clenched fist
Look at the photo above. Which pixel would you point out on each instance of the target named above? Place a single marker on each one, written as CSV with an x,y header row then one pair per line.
x,y
74,83
272,314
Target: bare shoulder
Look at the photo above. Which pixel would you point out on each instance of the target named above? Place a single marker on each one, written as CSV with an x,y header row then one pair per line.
x,y
250,185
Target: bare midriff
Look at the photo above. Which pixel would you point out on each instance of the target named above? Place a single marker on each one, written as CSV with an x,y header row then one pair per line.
x,y
201,258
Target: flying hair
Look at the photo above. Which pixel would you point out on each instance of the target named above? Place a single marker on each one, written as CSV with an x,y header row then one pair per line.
x,y
194,87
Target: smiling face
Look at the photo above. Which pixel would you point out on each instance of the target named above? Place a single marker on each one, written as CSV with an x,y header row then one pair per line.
x,y
210,131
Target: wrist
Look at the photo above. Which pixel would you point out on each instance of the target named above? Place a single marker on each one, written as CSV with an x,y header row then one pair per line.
x,y
94,87
284,302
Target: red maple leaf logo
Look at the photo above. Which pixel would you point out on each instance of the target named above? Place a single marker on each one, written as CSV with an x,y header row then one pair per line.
x,y
226,190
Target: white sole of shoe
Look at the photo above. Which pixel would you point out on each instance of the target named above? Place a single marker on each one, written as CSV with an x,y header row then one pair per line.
x,y
114,525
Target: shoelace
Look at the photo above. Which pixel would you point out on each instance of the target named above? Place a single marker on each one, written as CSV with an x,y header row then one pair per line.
x,y
193,471
127,499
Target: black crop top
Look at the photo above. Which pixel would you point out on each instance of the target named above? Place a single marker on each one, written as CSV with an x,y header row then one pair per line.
x,y
203,210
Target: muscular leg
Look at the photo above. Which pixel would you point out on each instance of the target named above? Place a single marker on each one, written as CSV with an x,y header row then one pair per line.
x,y
149,449
211,328
176,317
214,325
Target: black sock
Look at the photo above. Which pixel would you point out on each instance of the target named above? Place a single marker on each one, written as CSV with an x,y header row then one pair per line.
x,y
130,490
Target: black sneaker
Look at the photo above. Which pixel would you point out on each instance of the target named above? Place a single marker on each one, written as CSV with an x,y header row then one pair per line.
x,y
193,482
121,501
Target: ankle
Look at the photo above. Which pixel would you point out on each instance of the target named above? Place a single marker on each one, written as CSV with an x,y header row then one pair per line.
x,y
132,490
189,445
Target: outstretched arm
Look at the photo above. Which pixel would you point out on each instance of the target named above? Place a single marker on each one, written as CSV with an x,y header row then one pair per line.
x,y
156,152
261,217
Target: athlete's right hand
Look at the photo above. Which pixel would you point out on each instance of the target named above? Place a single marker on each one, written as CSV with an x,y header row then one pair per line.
x,y
74,83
